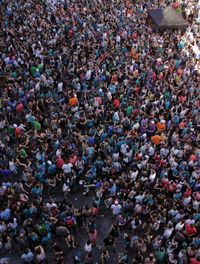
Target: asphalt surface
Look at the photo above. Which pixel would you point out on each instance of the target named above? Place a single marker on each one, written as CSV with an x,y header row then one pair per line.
x,y
103,224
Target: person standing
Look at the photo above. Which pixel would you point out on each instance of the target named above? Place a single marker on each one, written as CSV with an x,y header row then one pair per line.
x,y
28,257
40,255
116,208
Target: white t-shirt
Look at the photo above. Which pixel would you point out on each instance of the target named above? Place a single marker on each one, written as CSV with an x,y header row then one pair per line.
x,y
12,166
67,168
179,226
41,256
60,87
190,221
168,232
152,176
133,224
186,201
3,227
58,153
88,248
88,75
2,124
51,205
134,175
116,156
129,155
139,198
151,151
123,148
116,208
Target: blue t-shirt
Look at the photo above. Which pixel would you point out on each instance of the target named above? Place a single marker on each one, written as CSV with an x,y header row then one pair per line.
x,y
5,215
27,257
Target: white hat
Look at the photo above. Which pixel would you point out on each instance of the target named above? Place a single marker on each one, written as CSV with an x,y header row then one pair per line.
x,y
49,162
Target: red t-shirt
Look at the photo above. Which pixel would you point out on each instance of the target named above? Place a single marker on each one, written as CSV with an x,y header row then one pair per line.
x,y
116,103
114,78
153,76
161,76
171,187
193,157
190,230
134,36
70,33
95,211
165,183
194,261
188,192
137,90
60,163
19,107
73,159
17,131
162,162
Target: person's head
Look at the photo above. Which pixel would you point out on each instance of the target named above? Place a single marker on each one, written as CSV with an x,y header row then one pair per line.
x,y
26,250
88,242
151,257
92,231
198,258
162,249
38,250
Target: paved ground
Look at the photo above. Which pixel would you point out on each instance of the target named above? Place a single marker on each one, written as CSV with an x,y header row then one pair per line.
x,y
103,225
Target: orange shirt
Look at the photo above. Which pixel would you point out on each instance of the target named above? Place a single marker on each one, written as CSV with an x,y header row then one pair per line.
x,y
129,12
133,52
136,57
156,139
73,101
161,127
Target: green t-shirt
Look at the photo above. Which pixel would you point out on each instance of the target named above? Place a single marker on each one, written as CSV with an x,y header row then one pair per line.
x,y
160,255
167,95
40,67
14,75
23,153
33,70
37,125
11,131
129,110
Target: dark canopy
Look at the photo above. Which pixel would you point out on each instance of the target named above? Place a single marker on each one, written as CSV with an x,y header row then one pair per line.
x,y
167,18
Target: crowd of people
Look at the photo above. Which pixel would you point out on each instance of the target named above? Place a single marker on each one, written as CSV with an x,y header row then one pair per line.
x,y
96,101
